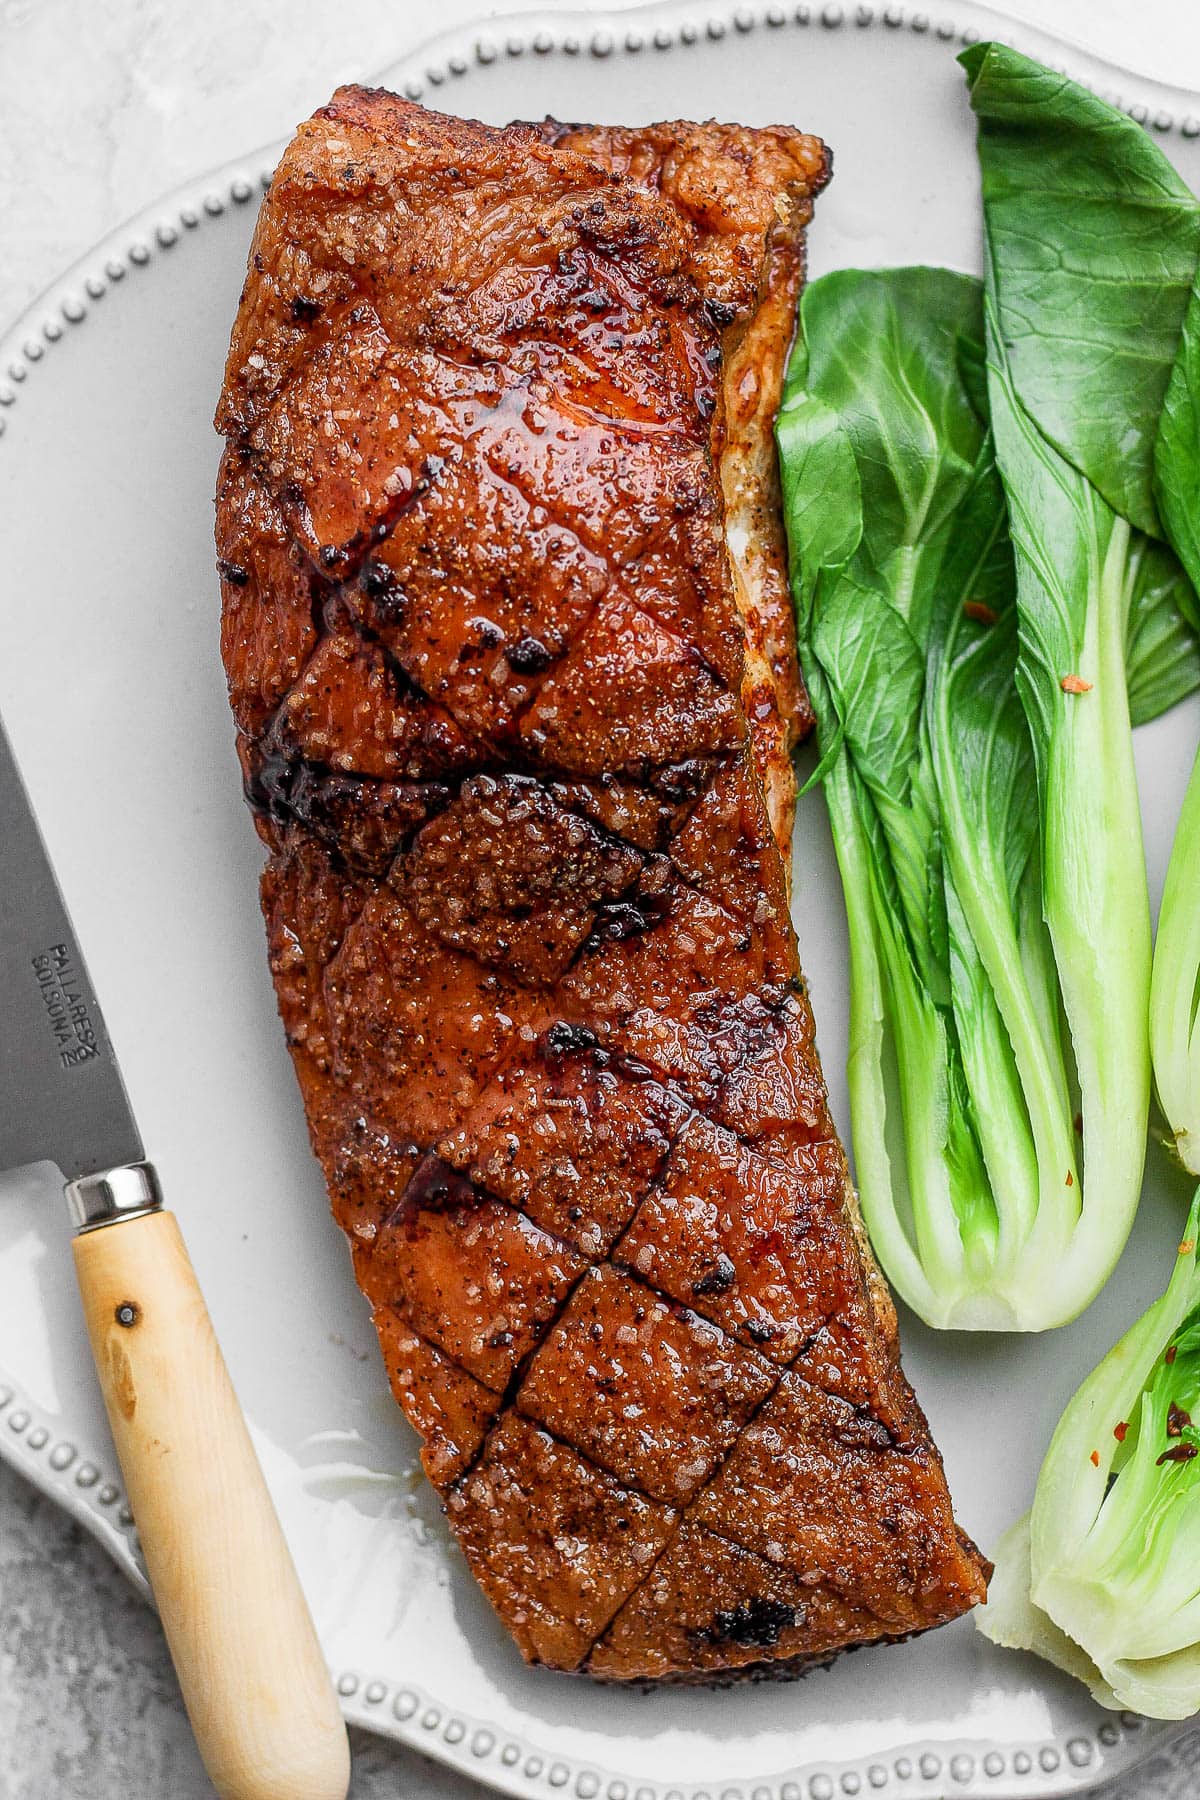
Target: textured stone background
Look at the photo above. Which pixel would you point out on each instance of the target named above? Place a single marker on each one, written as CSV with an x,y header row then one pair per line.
x,y
89,1709
105,105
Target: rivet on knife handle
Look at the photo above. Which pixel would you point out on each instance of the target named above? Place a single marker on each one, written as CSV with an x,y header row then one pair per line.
x,y
251,1669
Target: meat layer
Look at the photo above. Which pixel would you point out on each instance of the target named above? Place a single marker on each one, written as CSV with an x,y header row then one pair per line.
x,y
506,634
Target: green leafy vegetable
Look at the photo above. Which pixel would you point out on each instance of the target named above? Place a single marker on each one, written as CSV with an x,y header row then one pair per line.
x,y
1075,580
1175,990
879,440
977,490
1162,655
1175,987
1094,241
873,473
985,603
1177,450
1093,381
1102,1577
961,1080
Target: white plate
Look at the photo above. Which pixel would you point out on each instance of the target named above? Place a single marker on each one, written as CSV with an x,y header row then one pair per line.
x,y
111,685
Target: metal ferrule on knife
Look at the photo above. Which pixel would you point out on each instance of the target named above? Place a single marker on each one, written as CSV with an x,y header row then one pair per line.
x,y
113,1195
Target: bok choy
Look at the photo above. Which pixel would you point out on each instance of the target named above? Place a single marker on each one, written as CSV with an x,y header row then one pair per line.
x,y
1075,585
1175,986
1092,269
1102,1577
984,560
1094,377
957,827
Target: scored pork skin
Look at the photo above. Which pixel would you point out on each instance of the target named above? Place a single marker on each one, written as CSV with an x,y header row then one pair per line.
x,y
527,915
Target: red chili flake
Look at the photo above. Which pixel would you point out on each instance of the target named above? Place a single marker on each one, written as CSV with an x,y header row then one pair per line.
x,y
1176,1420
1077,1121
1172,1351
1095,1458
1121,1431
1075,684
1177,1453
1070,1179
1187,1246
980,611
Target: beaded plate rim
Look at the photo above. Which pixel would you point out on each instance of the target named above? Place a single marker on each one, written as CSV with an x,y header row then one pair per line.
x,y
78,1478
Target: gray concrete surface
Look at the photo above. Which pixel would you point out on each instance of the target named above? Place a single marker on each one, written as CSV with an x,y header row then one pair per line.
x,y
89,1709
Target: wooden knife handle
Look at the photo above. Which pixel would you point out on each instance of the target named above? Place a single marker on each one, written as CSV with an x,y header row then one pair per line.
x,y
254,1680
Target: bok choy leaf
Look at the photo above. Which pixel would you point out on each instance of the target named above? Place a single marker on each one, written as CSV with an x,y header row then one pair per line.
x,y
1162,655
1093,242
1101,1578
912,642
874,471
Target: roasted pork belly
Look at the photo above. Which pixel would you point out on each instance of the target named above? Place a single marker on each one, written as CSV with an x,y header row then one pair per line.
x,y
508,641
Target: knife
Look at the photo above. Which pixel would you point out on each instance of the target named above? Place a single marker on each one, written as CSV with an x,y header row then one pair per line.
x,y
254,1680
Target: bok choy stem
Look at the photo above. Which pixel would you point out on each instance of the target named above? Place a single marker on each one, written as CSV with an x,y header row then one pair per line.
x,y
1175,990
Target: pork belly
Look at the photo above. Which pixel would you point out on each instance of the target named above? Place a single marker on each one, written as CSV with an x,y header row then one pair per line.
x,y
508,641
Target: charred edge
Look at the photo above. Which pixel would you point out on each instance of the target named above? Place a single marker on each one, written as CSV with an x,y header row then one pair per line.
x,y
334,613
760,1331
529,656
552,131
642,906
718,1280
564,1039
617,920
719,314
682,781
775,1669
334,807
437,1186
293,789
387,599
754,1624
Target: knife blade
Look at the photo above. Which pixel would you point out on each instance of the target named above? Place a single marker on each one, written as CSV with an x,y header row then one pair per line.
x,y
64,1098
254,1681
